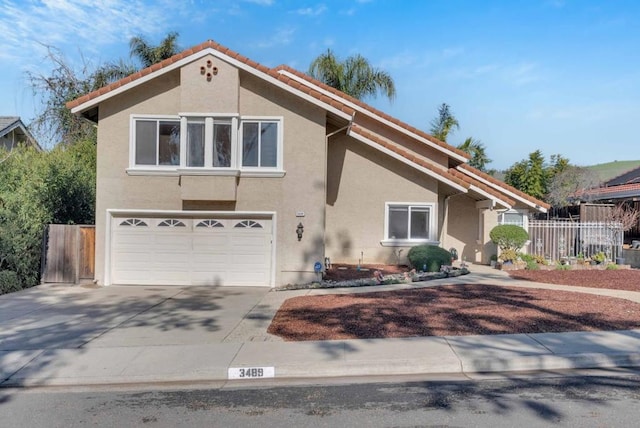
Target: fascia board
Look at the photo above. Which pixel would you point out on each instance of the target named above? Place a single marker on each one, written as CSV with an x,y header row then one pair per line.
x,y
503,190
406,161
374,116
209,51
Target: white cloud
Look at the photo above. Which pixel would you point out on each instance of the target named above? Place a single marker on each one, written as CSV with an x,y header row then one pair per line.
x,y
87,25
312,11
282,36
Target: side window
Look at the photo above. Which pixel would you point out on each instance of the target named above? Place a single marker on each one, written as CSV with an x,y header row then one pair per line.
x,y
157,142
260,144
409,222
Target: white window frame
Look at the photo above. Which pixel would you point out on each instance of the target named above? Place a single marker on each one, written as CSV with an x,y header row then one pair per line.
x,y
433,214
132,142
522,212
235,168
261,170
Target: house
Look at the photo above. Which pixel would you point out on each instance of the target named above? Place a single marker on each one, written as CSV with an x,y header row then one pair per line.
x,y
14,132
215,170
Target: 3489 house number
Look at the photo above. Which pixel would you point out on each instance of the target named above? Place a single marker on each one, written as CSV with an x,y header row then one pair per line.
x,y
251,372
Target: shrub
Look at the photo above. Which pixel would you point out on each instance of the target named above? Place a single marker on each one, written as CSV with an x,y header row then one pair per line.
x,y
429,258
9,282
532,265
611,266
509,236
563,267
508,255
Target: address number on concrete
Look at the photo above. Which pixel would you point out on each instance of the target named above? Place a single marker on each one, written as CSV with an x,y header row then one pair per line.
x,y
251,372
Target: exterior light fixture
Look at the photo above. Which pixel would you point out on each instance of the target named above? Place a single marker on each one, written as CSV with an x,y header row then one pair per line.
x,y
299,231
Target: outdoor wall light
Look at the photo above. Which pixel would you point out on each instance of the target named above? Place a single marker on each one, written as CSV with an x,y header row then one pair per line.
x,y
299,231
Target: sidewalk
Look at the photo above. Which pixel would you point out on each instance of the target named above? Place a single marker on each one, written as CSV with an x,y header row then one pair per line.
x,y
215,355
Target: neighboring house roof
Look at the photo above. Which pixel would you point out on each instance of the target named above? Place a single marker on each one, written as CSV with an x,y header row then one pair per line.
x,y
464,179
622,186
14,123
629,177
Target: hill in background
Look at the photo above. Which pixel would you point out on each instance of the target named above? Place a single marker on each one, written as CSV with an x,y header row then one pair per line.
x,y
609,170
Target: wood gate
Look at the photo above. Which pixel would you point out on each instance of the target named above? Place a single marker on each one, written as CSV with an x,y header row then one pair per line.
x,y
68,254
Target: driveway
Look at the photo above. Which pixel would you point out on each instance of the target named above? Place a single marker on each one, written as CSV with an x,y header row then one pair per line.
x,y
48,317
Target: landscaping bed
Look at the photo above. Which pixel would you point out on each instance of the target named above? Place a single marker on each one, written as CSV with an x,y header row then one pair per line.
x,y
470,309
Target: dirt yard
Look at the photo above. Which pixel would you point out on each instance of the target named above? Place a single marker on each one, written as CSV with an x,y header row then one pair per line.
x,y
452,310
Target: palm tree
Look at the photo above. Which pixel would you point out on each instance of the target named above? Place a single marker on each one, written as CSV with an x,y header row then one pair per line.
x,y
354,76
477,150
445,123
148,54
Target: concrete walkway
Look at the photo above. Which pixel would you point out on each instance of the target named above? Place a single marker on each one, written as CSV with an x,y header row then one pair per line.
x,y
122,335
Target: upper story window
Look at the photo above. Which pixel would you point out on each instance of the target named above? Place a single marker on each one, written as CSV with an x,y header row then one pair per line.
x,y
200,142
157,142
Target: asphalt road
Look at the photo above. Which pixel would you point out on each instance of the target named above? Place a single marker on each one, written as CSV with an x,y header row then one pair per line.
x,y
576,401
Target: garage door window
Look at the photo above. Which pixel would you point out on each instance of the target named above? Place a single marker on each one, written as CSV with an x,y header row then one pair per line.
x,y
133,222
171,223
209,224
248,224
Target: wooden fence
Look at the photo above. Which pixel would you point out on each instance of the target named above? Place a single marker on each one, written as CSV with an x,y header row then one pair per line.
x,y
68,254
556,239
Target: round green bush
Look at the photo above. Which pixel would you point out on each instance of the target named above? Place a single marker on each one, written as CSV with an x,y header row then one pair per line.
x,y
429,258
9,282
509,236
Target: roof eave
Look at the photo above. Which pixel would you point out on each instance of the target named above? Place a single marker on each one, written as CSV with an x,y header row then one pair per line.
x,y
373,115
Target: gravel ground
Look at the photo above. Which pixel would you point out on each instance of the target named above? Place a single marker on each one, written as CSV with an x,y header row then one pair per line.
x,y
470,309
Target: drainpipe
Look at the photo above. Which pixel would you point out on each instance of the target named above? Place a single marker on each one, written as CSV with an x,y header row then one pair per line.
x,y
326,174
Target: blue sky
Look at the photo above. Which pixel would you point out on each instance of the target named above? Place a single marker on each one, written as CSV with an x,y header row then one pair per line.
x,y
562,76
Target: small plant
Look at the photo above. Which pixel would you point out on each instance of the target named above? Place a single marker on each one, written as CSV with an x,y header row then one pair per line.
x,y
429,258
562,267
599,257
532,265
612,266
508,255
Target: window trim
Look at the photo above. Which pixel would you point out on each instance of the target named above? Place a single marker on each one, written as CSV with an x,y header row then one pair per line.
x,y
132,141
279,144
235,168
522,212
432,239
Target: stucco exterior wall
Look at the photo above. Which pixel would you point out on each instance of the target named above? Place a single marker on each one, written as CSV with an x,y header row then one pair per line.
x,y
360,180
300,190
462,229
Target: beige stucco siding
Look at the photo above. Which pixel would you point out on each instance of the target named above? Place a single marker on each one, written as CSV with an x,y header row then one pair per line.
x,y
360,181
300,190
461,228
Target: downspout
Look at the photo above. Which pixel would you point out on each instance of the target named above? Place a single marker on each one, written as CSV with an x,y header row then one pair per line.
x,y
326,174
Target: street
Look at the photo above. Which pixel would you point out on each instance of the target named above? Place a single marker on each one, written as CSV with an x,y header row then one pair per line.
x,y
566,401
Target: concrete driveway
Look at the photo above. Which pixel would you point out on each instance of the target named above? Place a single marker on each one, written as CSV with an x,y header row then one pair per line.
x,y
47,317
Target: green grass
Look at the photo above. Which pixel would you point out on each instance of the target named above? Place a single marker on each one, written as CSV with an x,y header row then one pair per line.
x,y
609,170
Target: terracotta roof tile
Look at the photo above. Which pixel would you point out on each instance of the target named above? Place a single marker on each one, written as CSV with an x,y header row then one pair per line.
x,y
482,186
505,186
372,109
409,156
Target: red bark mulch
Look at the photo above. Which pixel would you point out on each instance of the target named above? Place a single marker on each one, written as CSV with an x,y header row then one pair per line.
x,y
450,310
621,279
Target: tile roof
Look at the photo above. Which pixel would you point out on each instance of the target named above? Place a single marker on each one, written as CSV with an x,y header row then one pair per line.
x,y
612,192
505,186
408,155
491,191
372,110
341,102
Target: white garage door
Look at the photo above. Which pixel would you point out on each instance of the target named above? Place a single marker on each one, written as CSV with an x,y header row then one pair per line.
x,y
191,251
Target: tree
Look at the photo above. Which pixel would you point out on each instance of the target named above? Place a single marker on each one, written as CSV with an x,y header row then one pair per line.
x,y
444,124
477,151
38,188
529,176
354,76
571,185
148,54
55,123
